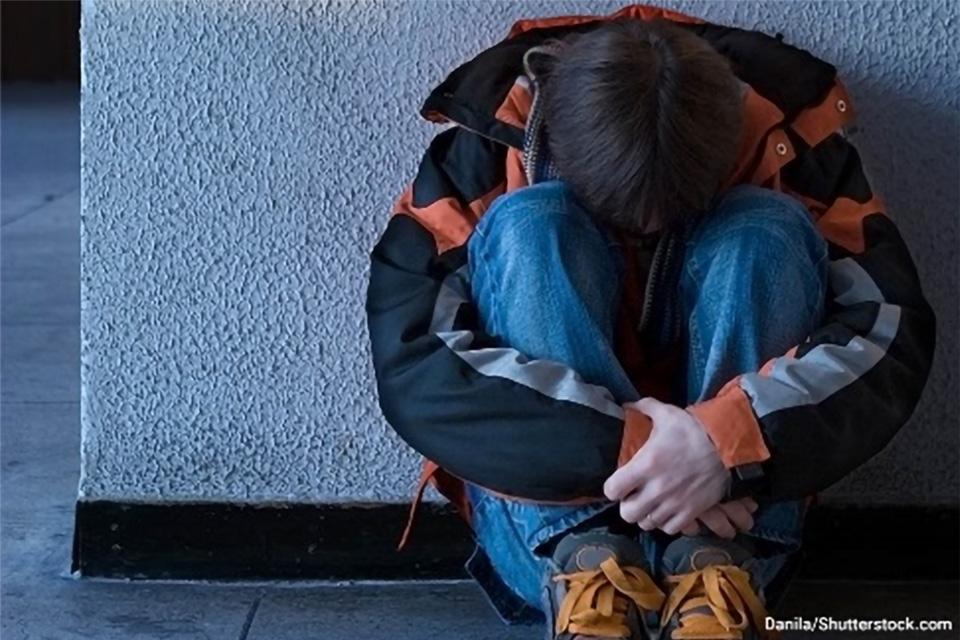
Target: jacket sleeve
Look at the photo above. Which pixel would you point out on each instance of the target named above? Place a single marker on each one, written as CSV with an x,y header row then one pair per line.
x,y
811,416
478,408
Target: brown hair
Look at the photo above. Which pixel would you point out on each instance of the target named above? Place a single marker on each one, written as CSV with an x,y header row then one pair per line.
x,y
643,121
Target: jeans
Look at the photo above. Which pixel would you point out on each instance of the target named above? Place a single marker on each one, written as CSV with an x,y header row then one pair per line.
x,y
545,278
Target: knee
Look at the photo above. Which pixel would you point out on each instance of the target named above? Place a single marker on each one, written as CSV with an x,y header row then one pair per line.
x,y
540,237
760,245
760,225
519,220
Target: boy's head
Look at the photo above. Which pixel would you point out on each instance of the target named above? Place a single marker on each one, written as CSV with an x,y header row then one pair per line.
x,y
643,121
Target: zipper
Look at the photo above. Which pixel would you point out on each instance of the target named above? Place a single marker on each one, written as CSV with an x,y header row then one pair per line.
x,y
664,246
457,123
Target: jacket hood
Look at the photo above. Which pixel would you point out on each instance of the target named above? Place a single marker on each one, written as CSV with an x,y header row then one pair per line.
x,y
477,94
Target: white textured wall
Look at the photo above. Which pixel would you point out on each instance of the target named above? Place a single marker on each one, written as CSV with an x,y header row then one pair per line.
x,y
240,158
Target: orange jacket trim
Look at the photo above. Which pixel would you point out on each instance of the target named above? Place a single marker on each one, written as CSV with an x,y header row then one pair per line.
x,y
731,426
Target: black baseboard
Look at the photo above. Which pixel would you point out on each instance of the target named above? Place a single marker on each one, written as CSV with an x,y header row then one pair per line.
x,y
358,541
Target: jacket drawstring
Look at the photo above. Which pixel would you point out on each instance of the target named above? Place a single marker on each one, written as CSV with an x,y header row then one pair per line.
x,y
429,470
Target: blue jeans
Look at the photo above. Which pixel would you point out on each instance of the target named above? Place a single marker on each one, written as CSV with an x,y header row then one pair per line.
x,y
546,280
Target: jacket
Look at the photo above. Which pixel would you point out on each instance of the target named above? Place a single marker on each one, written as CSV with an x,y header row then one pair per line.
x,y
480,411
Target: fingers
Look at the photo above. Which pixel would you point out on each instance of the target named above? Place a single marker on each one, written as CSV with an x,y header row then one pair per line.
x,y
662,517
716,520
631,476
679,522
624,480
651,407
636,506
738,514
691,529
725,519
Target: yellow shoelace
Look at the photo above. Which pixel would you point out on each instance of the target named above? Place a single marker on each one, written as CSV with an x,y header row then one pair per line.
x,y
723,590
597,600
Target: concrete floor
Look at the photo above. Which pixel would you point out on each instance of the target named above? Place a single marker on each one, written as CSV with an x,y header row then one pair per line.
x,y
40,432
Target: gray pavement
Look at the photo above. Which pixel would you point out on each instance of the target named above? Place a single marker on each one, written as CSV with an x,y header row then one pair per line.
x,y
40,434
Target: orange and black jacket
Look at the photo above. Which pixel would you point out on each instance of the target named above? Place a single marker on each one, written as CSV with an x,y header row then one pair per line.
x,y
480,411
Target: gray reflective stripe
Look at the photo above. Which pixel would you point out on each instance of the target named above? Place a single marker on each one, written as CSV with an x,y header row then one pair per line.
x,y
852,283
548,377
453,293
828,368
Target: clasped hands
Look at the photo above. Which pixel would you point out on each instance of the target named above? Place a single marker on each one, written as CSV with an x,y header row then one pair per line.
x,y
676,480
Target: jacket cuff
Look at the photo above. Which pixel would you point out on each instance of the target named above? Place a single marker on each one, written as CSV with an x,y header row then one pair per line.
x,y
636,429
729,422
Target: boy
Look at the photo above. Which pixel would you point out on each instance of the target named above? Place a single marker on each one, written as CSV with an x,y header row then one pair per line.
x,y
633,355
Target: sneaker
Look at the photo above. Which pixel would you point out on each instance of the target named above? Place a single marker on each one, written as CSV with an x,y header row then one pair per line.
x,y
600,588
710,596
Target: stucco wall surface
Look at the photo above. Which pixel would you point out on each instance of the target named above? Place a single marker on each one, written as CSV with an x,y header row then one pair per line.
x,y
240,159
